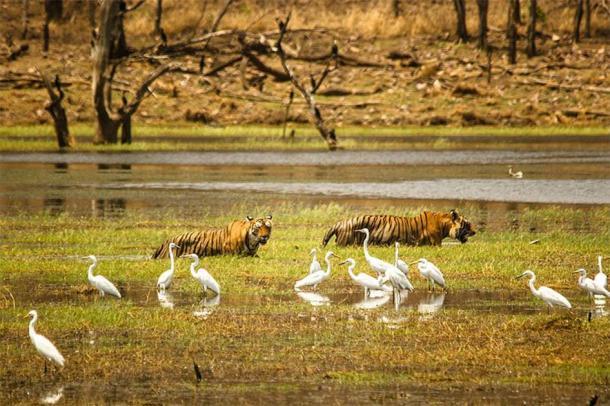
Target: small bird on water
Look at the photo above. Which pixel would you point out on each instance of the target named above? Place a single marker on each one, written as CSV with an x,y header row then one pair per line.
x,y
517,175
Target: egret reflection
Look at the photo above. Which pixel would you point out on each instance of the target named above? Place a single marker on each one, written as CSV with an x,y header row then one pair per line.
x,y
315,299
374,301
166,300
52,397
431,303
207,307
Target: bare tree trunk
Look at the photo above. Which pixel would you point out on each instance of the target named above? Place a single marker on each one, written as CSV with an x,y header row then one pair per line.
x,y
577,20
587,18
517,12
53,10
514,14
531,29
512,33
483,7
120,48
460,11
24,19
57,112
396,8
91,12
158,16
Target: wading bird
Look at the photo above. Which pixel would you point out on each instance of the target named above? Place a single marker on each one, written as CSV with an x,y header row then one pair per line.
x,y
399,263
205,279
377,265
431,273
317,277
366,281
315,264
589,285
43,345
517,175
399,282
165,279
547,295
600,278
99,282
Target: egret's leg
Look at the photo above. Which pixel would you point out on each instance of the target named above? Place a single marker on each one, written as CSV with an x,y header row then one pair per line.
x,y
205,291
45,366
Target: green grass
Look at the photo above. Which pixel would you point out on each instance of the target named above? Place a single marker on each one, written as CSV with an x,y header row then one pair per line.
x,y
262,332
269,137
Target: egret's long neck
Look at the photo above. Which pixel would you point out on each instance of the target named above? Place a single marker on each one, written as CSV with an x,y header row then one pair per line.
x,y
396,256
90,271
350,271
171,260
532,288
193,266
581,279
315,257
327,259
31,328
365,246
599,264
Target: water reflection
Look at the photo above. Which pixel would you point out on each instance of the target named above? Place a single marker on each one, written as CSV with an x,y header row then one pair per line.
x,y
374,301
207,307
108,207
61,167
599,303
315,299
166,300
110,168
431,303
52,397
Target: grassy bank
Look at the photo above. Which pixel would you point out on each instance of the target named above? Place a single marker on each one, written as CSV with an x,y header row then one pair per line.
x,y
262,332
189,137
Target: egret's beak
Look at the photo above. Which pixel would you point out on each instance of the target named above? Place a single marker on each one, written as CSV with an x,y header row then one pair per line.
x,y
360,231
414,262
184,256
336,256
576,271
84,257
520,276
344,262
177,246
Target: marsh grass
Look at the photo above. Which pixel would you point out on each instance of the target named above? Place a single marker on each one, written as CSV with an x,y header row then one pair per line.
x,y
261,332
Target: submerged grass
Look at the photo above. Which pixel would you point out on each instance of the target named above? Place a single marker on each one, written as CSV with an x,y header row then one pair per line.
x,y
261,332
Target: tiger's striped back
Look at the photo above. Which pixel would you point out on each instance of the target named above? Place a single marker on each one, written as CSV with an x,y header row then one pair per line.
x,y
202,243
427,228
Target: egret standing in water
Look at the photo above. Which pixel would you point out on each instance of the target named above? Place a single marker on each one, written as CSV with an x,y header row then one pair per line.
x,y
399,263
376,264
589,285
165,279
205,279
317,277
99,282
431,273
547,295
315,264
43,345
366,281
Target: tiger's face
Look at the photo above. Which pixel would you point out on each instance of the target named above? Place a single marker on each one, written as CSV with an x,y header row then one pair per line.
x,y
260,230
460,228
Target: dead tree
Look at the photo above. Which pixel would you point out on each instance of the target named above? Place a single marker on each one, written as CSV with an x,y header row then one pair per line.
x,y
577,20
24,19
396,8
587,18
290,99
158,16
53,10
460,12
512,33
57,111
91,13
105,65
531,29
328,134
483,8
514,14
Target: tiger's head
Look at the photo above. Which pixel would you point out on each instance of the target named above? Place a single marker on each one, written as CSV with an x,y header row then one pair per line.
x,y
460,228
259,230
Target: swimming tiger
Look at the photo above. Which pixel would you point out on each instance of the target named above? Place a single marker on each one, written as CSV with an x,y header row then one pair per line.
x,y
429,228
241,237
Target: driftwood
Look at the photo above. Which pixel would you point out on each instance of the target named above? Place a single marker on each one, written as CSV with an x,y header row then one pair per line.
x,y
57,111
327,133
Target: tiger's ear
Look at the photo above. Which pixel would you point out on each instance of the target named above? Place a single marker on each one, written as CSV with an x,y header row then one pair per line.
x,y
454,215
269,216
249,218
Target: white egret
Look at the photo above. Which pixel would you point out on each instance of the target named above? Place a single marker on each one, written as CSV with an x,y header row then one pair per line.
x,y
205,279
547,295
315,264
399,282
378,265
165,279
99,282
43,345
431,273
366,281
589,285
317,277
517,175
600,278
399,263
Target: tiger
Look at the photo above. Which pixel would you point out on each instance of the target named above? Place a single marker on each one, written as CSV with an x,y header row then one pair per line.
x,y
240,237
428,228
